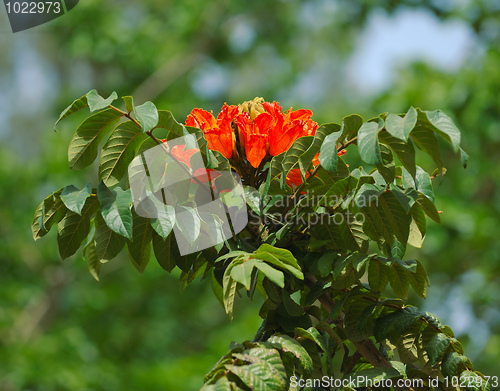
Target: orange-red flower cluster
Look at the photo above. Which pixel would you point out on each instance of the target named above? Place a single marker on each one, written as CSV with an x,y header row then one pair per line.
x,y
271,132
263,130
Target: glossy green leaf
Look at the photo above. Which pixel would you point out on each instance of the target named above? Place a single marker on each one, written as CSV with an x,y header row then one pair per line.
x,y
314,335
378,276
189,223
256,377
84,145
118,151
328,154
116,209
442,124
464,158
319,137
97,102
403,150
436,347
291,346
229,292
396,323
394,216
426,140
147,115
107,242
423,183
388,167
49,212
166,251
279,257
90,255
350,126
399,280
369,148
242,272
419,280
428,207
140,247
129,103
401,127
77,105
405,198
293,154
276,276
454,363
74,228
74,198
164,222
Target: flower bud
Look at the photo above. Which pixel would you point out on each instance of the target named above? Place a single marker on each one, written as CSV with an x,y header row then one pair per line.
x,y
252,107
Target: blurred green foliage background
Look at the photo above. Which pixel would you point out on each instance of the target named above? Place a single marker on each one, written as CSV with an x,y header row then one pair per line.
x,y
62,330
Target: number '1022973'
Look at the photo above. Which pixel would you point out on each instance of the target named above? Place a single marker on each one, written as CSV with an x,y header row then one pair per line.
x,y
32,7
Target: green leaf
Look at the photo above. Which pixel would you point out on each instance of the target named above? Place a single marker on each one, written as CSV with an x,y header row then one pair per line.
x,y
394,216
96,102
116,209
166,251
350,126
165,220
189,223
436,347
409,344
401,127
388,167
242,272
90,255
406,199
464,158
273,274
319,136
269,356
403,150
454,363
442,125
423,183
147,115
396,323
74,228
293,154
358,320
107,242
140,247
369,148
419,280
118,151
428,207
378,276
280,257
289,345
426,140
257,377
314,335
49,212
328,154
84,145
74,199
77,105
399,279
229,291
129,103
